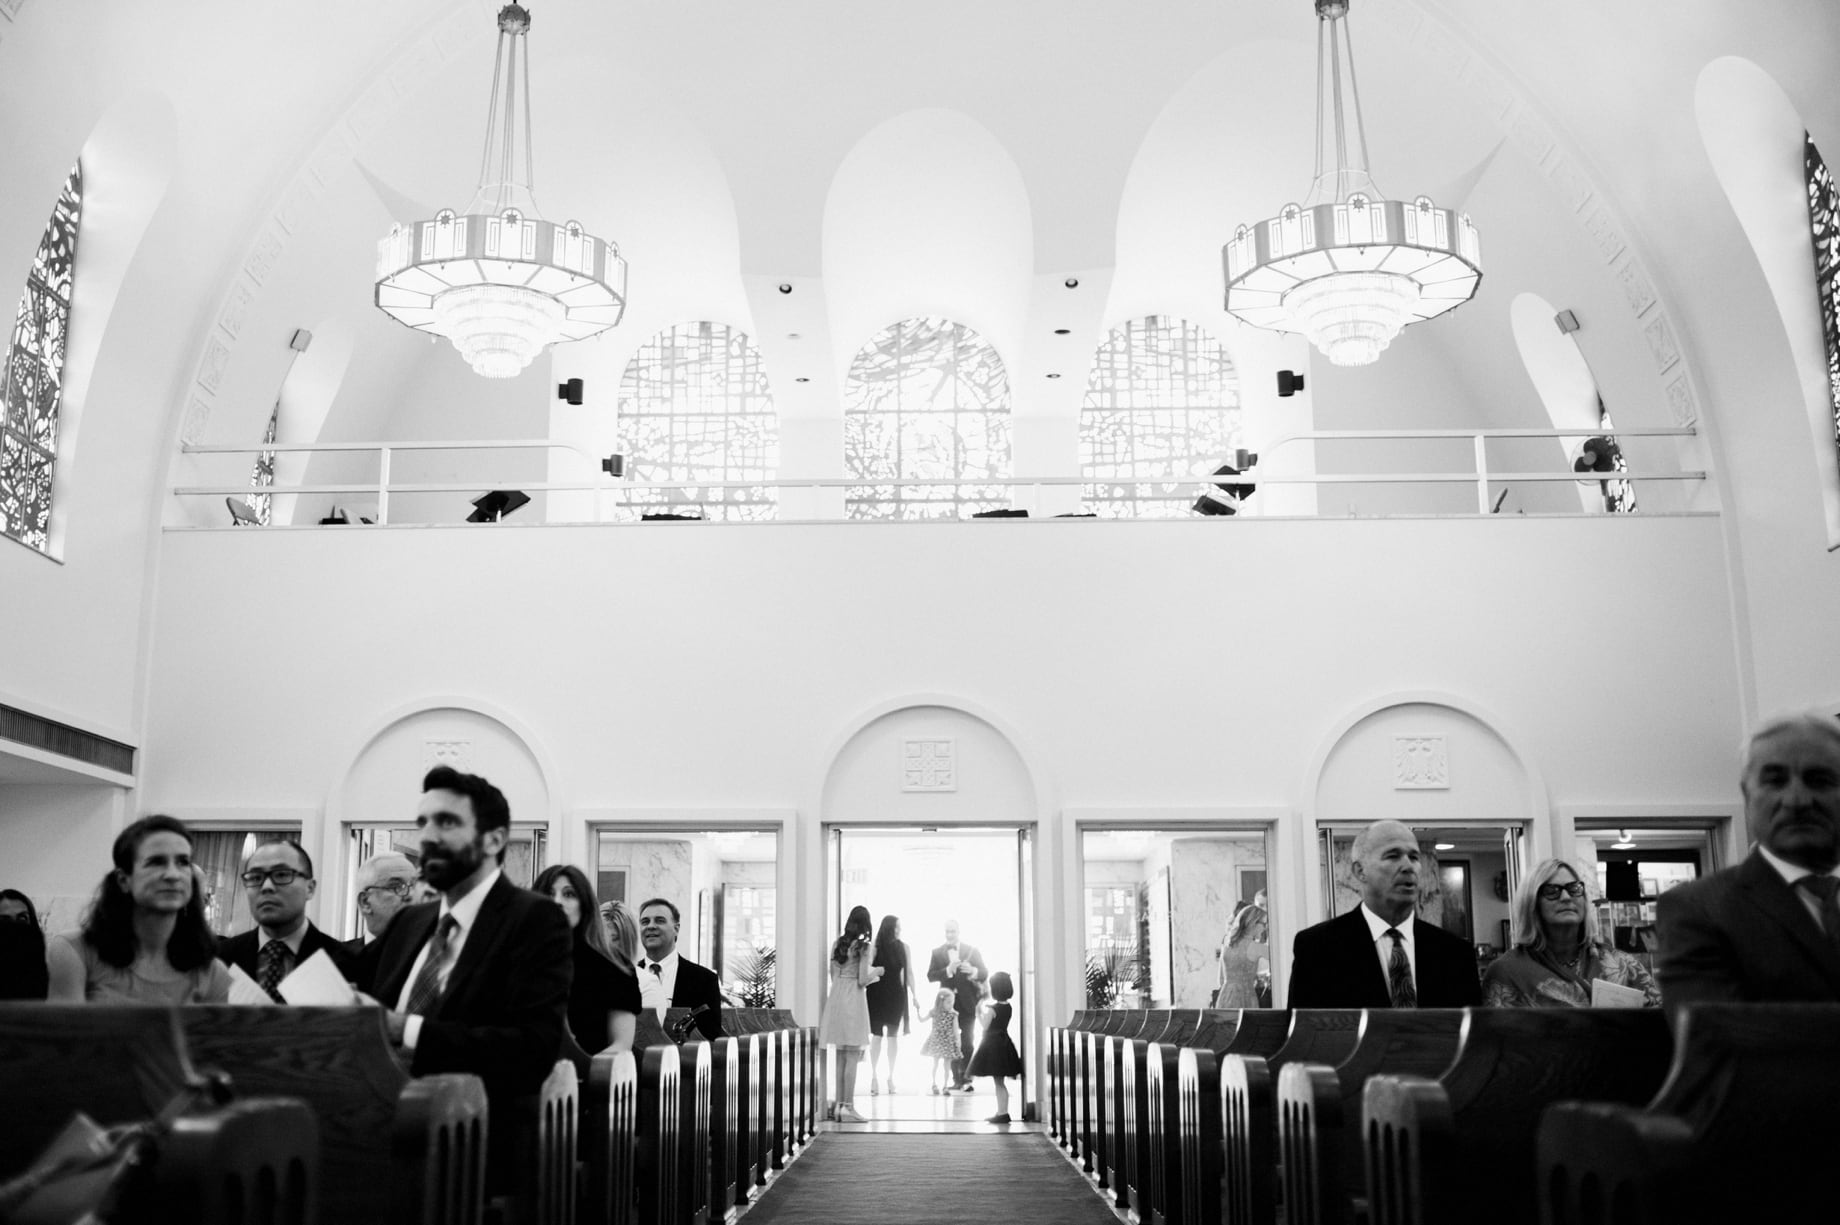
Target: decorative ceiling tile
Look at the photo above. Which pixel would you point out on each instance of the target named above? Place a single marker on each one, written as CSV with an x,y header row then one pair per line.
x,y
262,258
197,418
1603,230
1421,763
1661,343
236,306
1573,187
211,365
929,765
1680,401
455,753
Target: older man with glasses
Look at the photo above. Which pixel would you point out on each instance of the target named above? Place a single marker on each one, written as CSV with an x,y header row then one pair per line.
x,y
278,879
386,883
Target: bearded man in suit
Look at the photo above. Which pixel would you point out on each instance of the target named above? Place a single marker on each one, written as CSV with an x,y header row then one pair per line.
x,y
477,981
1769,928
278,880
960,968
1380,954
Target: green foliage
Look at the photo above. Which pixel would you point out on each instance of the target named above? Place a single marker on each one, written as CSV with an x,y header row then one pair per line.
x,y
758,976
1109,971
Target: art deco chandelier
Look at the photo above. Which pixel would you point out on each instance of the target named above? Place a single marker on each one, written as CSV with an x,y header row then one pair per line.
x,y
1347,267
497,280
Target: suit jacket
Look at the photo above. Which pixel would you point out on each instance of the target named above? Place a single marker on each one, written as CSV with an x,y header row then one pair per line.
x,y
699,985
1333,965
244,949
965,989
504,1012
1742,934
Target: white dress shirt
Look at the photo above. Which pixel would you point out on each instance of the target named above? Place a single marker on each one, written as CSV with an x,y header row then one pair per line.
x,y
657,990
465,913
1383,943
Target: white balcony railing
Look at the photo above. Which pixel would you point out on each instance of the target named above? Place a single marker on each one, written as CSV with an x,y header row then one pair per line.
x,y
610,500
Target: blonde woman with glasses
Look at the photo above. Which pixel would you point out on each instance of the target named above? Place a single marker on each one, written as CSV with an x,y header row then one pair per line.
x,y
1557,953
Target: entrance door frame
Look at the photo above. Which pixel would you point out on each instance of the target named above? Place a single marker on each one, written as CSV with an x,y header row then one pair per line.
x,y
1028,899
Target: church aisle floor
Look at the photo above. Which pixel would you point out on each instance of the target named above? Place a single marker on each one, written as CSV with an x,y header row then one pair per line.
x,y
853,1178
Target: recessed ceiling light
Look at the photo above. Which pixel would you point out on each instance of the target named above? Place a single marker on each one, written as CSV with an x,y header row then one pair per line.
x,y
785,287
1054,376
1444,846
792,336
801,380
1063,331
1072,282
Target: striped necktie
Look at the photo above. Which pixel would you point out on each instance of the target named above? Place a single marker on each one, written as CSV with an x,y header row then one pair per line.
x,y
1399,973
427,990
1826,890
271,968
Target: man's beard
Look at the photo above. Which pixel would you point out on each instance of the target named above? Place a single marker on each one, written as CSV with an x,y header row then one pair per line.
x,y
444,869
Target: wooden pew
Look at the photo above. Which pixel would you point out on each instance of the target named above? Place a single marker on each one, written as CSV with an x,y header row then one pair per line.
x,y
548,1123
248,1162
1199,1157
1144,1099
744,1175
609,1133
694,1076
392,1146
1102,1092
1437,1149
1058,1042
657,1160
1075,1050
1126,1088
1319,1108
1248,1123
1742,1129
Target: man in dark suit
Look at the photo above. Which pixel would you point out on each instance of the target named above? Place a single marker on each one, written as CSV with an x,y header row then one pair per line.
x,y
1380,954
278,879
1769,928
669,980
960,967
478,981
386,883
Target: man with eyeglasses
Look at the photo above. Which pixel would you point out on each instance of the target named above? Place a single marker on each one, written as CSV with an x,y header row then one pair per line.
x,y
1767,930
386,883
1380,954
278,879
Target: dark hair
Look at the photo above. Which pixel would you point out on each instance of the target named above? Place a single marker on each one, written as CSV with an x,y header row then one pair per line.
x,y
108,926
884,935
589,931
298,849
13,895
664,902
1001,986
856,929
490,809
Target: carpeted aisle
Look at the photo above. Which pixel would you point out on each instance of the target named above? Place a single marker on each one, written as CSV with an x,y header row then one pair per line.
x,y
868,1179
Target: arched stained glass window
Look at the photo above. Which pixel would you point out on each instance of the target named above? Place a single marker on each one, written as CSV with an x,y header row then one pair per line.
x,y
695,406
32,381
1824,226
1162,400
926,399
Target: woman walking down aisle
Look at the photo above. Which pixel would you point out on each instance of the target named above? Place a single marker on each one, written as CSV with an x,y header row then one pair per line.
x,y
845,1023
891,999
997,1056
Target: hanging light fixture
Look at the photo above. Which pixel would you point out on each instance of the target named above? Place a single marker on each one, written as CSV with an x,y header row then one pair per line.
x,y
497,280
1349,268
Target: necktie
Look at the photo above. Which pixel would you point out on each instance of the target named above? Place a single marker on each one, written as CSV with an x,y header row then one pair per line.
x,y
271,968
1826,890
656,969
427,989
1399,973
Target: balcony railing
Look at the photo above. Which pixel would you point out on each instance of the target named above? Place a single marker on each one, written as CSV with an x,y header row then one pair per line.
x,y
605,499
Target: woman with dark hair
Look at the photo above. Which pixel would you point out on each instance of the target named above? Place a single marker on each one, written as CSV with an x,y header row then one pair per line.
x,y
845,1023
22,949
144,938
1558,954
889,998
604,1000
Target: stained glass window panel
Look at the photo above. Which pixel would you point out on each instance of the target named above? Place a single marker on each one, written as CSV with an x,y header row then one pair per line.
x,y
32,379
695,406
926,399
1162,400
1824,228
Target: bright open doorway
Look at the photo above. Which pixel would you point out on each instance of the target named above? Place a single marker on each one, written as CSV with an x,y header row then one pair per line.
x,y
925,876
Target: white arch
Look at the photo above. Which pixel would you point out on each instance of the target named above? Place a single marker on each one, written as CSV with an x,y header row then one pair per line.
x,y
1754,136
1561,376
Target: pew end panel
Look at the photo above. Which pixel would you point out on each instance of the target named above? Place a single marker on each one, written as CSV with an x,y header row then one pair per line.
x,y
546,1150
609,1114
1407,1133
1309,1119
1199,1137
252,1162
1248,1191
1606,1164
657,1154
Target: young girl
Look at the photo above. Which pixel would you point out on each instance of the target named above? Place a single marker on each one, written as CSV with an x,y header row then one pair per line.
x,y
996,1054
942,1040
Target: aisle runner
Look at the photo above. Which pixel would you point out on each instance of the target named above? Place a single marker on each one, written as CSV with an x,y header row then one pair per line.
x,y
850,1178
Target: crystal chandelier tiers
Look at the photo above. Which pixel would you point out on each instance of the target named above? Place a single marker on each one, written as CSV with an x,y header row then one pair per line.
x,y
497,280
1349,268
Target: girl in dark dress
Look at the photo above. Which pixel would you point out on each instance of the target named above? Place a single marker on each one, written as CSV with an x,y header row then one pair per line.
x,y
997,1056
604,1000
890,997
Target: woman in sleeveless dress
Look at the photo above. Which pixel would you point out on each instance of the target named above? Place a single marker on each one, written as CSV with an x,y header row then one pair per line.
x,y
997,1056
144,939
845,1023
890,998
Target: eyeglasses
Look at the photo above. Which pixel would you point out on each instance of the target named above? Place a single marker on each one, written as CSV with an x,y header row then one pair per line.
x,y
283,877
1550,893
401,888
